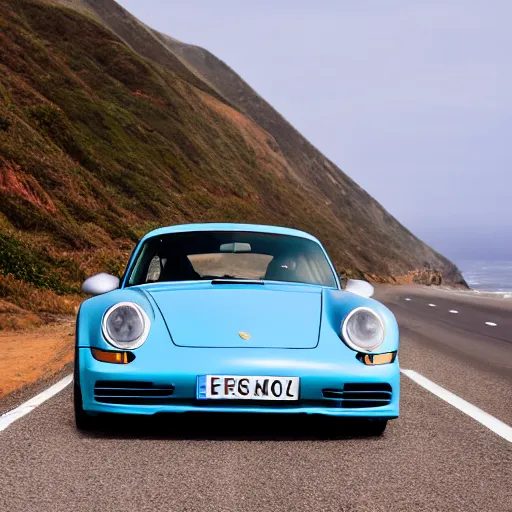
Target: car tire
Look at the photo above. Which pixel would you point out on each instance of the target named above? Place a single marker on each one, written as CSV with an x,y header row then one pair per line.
x,y
83,421
374,427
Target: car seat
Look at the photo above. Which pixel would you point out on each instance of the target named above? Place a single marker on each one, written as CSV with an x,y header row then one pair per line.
x,y
279,270
178,268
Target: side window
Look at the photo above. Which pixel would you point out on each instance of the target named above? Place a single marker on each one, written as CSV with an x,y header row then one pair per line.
x,y
154,270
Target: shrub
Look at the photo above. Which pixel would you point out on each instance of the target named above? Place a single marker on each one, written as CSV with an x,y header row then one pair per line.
x,y
52,121
5,123
26,265
27,297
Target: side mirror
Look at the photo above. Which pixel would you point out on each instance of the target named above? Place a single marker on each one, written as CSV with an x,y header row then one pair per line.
x,y
100,283
358,287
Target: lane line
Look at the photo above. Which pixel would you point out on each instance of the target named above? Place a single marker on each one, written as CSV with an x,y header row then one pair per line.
x,y
432,305
28,406
492,423
454,311
492,324
407,298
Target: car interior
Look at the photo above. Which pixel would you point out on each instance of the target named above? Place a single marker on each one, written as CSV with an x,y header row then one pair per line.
x,y
289,259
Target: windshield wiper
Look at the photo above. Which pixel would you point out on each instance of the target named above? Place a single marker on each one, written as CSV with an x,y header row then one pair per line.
x,y
236,280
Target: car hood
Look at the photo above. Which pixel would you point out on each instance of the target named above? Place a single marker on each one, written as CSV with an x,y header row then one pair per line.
x,y
207,315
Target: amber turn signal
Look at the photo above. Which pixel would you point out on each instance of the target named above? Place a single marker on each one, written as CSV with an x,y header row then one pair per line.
x,y
108,356
374,359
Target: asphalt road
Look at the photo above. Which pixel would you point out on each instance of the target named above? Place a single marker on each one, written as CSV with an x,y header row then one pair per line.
x,y
458,351
433,458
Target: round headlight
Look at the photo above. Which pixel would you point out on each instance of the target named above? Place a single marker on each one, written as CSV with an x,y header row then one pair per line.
x,y
363,330
126,325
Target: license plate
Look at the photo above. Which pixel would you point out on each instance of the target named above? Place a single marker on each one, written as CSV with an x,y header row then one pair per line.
x,y
236,387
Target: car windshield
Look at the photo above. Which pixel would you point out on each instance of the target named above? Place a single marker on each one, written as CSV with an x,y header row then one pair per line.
x,y
209,255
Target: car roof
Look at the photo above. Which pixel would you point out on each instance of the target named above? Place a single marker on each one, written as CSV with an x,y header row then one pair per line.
x,y
255,228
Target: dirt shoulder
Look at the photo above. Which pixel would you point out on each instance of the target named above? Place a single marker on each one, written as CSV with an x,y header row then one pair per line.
x,y
31,360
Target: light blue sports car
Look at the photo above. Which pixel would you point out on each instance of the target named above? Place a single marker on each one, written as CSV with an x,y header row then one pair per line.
x,y
234,318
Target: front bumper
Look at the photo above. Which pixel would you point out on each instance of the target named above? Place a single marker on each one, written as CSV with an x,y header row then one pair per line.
x,y
179,374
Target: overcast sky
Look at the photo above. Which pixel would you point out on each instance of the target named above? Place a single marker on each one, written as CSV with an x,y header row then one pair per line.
x,y
413,100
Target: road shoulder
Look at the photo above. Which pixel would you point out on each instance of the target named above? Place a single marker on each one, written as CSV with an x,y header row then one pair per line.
x,y
32,360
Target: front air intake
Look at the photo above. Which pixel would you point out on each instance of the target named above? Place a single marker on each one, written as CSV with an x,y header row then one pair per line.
x,y
358,396
125,392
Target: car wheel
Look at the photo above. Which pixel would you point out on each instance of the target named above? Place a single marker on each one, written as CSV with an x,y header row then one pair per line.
x,y
83,421
373,427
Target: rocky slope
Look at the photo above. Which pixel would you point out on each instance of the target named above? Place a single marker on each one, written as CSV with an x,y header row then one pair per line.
x,y
108,129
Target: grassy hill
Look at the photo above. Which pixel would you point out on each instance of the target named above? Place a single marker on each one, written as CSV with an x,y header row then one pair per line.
x,y
108,129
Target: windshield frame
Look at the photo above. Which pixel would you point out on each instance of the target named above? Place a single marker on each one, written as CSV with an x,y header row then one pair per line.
x,y
130,268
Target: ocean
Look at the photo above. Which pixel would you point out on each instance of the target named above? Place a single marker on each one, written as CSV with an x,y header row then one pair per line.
x,y
488,276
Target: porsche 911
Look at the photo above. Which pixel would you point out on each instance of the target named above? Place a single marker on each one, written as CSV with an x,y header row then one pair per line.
x,y
234,318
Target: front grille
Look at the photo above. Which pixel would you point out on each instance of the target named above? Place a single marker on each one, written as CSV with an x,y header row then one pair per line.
x,y
358,396
124,392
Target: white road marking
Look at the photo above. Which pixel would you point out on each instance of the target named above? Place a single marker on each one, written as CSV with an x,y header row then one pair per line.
x,y
432,305
492,324
492,423
28,406
407,298
454,311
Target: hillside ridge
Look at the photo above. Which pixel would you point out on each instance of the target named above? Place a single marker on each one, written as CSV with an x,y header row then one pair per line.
x,y
108,129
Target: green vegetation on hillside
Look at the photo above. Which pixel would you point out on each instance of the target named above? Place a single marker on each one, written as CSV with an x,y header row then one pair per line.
x,y
99,144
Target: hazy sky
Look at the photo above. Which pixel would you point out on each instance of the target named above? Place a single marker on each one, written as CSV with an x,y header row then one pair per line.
x,y
413,100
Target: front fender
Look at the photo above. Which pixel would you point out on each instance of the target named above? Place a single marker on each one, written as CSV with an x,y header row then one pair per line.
x,y
91,312
338,304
